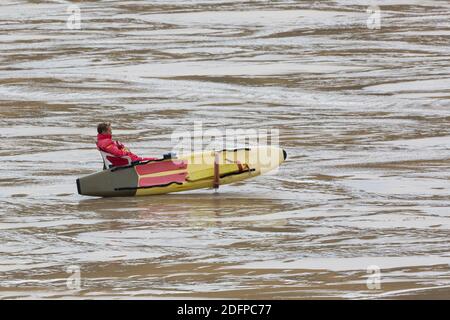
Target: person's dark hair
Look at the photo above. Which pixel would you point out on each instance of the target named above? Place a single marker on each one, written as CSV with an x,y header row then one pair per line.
x,y
103,127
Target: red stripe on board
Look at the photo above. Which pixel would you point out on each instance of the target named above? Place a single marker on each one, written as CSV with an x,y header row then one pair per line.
x,y
154,167
162,180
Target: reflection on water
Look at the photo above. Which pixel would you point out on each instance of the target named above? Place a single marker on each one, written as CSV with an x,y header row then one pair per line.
x,y
363,114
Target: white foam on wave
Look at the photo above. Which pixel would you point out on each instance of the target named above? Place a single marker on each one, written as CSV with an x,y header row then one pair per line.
x,y
347,264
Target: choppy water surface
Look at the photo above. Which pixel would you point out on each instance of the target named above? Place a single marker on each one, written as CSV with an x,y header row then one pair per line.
x,y
363,113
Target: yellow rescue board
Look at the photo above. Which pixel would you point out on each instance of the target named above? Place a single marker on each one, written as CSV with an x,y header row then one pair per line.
x,y
234,165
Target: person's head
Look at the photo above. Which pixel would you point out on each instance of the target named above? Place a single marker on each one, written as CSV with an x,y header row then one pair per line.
x,y
104,128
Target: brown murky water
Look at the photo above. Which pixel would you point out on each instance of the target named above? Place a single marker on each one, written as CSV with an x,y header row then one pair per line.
x,y
363,113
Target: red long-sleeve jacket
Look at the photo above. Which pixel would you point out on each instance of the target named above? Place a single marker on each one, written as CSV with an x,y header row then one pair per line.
x,y
116,152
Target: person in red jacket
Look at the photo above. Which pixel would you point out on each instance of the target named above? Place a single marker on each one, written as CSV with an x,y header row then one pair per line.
x,y
114,153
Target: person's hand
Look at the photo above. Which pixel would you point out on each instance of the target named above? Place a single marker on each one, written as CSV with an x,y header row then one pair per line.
x,y
120,145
